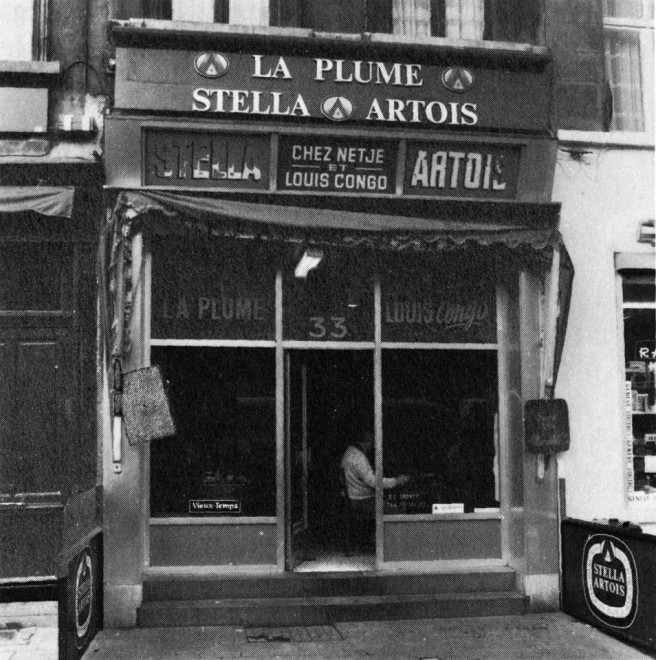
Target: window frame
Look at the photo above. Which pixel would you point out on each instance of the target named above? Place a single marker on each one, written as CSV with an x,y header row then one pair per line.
x,y
645,29
626,263
39,39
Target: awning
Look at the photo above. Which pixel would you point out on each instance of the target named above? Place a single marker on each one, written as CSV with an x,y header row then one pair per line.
x,y
528,231
44,200
512,225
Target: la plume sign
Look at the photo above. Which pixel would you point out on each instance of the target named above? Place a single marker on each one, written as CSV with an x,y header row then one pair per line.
x,y
333,90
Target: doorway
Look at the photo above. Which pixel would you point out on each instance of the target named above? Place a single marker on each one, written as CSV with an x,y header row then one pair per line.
x,y
330,396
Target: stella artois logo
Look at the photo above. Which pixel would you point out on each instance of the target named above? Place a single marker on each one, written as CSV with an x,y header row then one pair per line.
x,y
337,108
83,597
457,79
211,65
610,580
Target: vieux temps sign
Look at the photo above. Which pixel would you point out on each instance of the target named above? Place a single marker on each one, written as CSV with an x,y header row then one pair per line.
x,y
331,90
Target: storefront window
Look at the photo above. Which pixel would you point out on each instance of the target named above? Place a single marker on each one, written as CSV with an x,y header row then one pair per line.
x,y
334,302
439,427
639,303
223,460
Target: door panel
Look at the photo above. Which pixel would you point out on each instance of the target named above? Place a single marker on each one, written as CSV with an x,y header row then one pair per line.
x,y
296,457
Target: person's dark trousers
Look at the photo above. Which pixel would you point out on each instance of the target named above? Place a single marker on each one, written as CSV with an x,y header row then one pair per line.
x,y
364,532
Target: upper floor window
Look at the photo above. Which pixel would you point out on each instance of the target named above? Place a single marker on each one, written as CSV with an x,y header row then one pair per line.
x,y
497,20
22,29
629,48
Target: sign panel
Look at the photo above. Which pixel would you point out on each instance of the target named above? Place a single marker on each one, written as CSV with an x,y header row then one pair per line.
x,y
206,159
461,170
430,309
609,579
212,292
80,601
214,506
336,165
406,94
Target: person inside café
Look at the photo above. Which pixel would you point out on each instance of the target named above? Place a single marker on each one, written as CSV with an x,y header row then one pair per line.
x,y
360,478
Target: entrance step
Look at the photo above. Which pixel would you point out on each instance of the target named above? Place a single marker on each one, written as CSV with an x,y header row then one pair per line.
x,y
315,611
324,598
292,585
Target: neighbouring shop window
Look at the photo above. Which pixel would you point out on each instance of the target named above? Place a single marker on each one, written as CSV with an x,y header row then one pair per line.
x,y
31,276
439,412
223,460
22,26
639,307
629,37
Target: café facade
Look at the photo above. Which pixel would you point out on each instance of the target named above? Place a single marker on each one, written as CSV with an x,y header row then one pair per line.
x,y
313,237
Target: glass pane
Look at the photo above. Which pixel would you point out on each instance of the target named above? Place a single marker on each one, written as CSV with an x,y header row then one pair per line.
x,y
198,10
333,303
223,459
639,287
16,21
640,356
623,68
626,8
208,291
31,276
441,304
439,427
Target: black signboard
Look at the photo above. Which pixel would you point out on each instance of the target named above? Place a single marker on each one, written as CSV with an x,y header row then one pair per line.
x,y
609,578
438,309
204,159
209,507
212,292
80,601
401,94
461,170
337,165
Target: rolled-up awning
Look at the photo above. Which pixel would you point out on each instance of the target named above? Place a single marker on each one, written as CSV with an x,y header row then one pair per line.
x,y
40,199
527,230
512,225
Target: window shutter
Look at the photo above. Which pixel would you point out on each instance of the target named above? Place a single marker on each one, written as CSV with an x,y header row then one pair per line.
x,y
221,11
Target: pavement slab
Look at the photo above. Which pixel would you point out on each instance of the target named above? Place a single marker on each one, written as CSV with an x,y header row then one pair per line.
x,y
529,637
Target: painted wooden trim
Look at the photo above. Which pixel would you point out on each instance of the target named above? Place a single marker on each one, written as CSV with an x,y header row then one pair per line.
x,y
503,376
281,490
200,124
230,343
212,520
207,571
378,420
440,517
441,347
328,345
444,565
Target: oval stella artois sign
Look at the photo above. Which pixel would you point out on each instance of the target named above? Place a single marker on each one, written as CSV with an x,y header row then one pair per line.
x,y
610,580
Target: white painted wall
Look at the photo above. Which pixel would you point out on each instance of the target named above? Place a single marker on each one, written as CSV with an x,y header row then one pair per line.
x,y
605,195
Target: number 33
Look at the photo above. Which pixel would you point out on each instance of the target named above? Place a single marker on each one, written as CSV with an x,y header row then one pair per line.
x,y
337,325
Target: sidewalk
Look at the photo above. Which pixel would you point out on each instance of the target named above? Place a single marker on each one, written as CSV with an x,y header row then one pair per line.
x,y
535,637
28,631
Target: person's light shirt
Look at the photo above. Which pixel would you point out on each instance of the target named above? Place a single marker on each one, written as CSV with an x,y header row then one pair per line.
x,y
359,475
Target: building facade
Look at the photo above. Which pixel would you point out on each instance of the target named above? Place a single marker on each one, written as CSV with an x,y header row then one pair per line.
x,y
321,220
409,164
